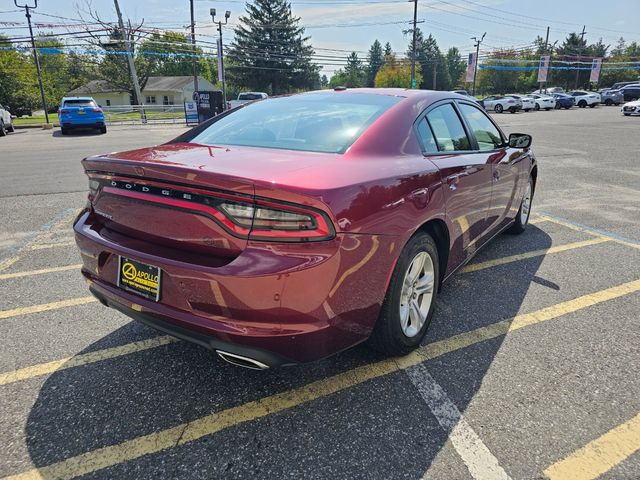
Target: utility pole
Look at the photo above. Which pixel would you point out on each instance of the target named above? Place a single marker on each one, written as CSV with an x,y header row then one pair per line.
x,y
221,72
193,49
546,50
35,54
435,73
475,71
413,44
579,56
130,62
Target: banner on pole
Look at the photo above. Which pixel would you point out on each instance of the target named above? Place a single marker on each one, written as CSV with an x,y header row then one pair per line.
x,y
471,67
543,69
220,67
596,65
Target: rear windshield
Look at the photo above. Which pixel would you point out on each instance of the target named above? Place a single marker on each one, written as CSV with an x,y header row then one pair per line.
x,y
249,96
79,103
327,123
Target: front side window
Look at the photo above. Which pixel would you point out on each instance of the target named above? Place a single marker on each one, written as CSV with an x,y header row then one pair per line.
x,y
487,134
447,128
325,123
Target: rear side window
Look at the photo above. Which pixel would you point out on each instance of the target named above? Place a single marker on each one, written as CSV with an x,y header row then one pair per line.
x,y
249,96
426,137
486,133
79,103
447,128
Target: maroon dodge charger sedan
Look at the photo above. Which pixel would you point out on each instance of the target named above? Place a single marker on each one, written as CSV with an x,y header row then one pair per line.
x,y
295,227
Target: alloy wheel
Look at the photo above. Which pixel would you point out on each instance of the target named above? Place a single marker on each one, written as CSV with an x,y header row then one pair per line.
x,y
417,294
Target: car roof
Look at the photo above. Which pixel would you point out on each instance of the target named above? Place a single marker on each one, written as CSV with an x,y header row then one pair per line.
x,y
77,98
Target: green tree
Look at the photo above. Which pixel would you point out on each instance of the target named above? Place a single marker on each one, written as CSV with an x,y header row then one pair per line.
x,y
271,50
395,73
18,79
170,54
324,81
431,62
456,67
388,51
354,72
375,59
573,48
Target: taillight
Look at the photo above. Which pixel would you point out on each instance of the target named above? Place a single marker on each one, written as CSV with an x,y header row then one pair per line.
x,y
97,110
266,221
64,111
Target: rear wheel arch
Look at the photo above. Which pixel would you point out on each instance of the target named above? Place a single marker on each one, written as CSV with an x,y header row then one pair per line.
x,y
439,231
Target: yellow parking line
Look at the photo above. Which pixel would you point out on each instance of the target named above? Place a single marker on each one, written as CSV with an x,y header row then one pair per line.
x,y
43,246
11,260
589,231
45,307
108,456
600,455
84,359
535,253
29,273
535,221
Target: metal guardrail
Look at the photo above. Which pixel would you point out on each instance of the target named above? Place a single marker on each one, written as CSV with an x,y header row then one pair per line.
x,y
141,114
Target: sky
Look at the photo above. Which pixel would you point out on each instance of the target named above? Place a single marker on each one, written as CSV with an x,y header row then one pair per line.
x,y
337,27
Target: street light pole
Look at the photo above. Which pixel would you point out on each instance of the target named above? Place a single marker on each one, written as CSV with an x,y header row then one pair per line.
x,y
475,70
35,54
221,72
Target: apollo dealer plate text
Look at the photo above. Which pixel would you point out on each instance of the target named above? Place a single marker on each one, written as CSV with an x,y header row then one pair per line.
x,y
139,278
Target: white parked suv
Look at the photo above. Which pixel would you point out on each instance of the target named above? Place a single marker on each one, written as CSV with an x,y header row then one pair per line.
x,y
6,125
584,99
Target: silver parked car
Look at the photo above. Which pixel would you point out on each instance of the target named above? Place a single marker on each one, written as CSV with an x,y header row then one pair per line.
x,y
611,97
500,103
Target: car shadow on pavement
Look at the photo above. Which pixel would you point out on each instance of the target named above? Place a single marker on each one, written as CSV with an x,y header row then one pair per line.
x,y
77,133
379,428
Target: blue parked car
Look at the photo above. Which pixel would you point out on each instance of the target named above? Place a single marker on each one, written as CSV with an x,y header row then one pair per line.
x,y
563,100
80,112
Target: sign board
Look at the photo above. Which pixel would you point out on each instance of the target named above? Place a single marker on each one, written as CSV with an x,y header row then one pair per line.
x,y
209,104
191,111
471,67
543,68
220,63
596,65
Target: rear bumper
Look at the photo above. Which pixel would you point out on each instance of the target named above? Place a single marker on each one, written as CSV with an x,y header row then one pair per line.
x,y
89,124
279,304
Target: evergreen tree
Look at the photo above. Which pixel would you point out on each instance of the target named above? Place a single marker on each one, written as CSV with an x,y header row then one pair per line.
x,y
431,62
324,81
375,58
270,51
388,51
573,47
354,73
456,67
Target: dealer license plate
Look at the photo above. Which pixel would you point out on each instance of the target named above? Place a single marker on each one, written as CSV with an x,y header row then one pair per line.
x,y
140,278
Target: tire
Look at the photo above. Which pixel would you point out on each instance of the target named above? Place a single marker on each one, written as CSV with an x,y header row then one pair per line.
x,y
537,107
547,109
608,102
593,105
498,108
567,108
582,103
3,132
522,219
64,131
512,110
11,128
557,107
390,334
527,109
103,129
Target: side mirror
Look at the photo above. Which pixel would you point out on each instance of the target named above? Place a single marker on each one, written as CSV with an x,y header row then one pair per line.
x,y
520,140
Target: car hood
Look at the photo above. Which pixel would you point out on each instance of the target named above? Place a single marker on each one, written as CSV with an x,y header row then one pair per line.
x,y
635,103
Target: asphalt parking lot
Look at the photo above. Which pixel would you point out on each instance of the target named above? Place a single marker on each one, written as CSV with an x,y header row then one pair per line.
x,y
529,370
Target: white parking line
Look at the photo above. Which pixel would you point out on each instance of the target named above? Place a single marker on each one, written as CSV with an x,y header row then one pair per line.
x,y
476,456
